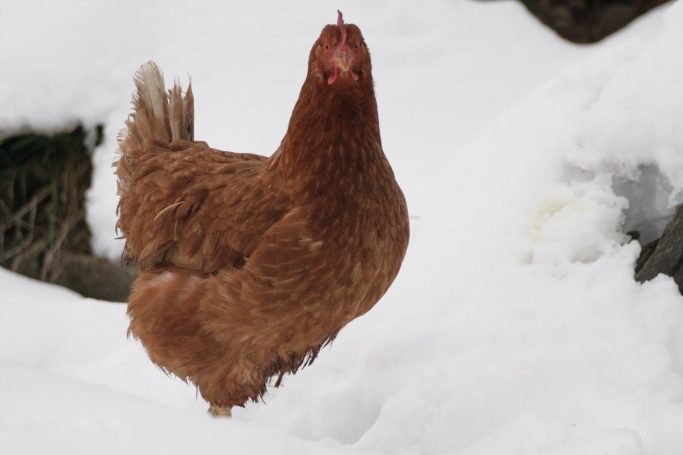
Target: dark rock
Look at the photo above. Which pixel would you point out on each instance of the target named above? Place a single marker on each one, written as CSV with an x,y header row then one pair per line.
x,y
664,255
645,253
588,21
96,277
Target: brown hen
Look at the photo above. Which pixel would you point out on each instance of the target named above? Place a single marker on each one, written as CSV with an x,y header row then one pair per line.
x,y
251,264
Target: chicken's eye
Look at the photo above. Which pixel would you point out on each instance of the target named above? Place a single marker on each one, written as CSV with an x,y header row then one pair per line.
x,y
326,46
356,46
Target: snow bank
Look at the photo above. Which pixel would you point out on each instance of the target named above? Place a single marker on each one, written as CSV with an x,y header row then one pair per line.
x,y
515,326
562,165
530,218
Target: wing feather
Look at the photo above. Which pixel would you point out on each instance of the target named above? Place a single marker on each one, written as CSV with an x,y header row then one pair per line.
x,y
197,208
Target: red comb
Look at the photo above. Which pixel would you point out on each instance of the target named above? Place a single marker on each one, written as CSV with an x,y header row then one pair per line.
x,y
342,29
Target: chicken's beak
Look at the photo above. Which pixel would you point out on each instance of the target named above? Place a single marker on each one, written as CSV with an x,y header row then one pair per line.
x,y
343,61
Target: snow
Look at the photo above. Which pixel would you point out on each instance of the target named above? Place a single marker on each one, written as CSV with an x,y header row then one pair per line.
x,y
515,326
441,71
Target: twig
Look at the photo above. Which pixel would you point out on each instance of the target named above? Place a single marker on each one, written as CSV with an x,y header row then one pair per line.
x,y
27,254
5,208
16,250
35,200
56,246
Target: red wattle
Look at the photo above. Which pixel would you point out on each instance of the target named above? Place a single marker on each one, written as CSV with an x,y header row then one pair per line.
x,y
333,77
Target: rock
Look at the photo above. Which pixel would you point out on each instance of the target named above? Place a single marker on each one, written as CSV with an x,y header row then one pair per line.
x,y
664,255
96,277
588,21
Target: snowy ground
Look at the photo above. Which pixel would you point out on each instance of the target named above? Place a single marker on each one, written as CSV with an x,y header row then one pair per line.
x,y
515,326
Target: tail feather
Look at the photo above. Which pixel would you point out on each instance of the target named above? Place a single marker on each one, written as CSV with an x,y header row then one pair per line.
x,y
181,113
150,85
158,117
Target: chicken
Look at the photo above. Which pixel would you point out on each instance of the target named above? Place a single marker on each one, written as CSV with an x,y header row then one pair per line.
x,y
249,265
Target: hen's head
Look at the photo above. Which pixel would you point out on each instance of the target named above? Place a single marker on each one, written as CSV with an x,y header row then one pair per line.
x,y
340,57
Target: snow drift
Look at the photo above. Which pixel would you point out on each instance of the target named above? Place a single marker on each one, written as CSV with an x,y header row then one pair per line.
x,y
515,326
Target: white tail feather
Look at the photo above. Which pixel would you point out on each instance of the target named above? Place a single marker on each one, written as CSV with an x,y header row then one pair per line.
x,y
150,85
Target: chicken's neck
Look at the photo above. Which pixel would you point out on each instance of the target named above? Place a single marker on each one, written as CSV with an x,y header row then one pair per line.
x,y
333,139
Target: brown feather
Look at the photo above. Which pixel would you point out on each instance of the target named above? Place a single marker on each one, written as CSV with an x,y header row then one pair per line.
x,y
250,265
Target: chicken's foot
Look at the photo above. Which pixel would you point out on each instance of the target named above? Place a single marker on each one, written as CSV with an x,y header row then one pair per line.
x,y
220,411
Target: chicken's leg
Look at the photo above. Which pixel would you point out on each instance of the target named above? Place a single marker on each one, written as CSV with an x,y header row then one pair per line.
x,y
220,411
